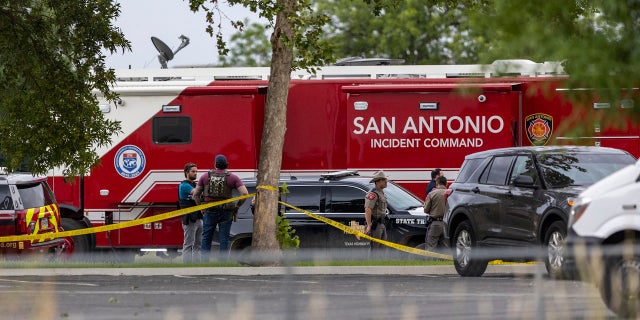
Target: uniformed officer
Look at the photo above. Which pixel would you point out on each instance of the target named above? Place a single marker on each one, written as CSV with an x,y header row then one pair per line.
x,y
375,209
434,207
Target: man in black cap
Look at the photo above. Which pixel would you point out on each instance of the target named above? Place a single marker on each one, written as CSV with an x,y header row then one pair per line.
x,y
375,209
217,185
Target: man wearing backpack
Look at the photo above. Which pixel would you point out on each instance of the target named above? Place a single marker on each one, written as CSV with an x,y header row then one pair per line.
x,y
217,185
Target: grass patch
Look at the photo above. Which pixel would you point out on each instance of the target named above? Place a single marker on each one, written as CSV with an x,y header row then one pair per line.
x,y
150,260
98,265
354,263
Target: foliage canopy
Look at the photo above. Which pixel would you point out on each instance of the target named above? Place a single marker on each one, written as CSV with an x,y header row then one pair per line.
x,y
597,42
417,31
51,67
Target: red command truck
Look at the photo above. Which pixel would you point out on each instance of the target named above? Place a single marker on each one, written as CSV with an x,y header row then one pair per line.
x,y
406,120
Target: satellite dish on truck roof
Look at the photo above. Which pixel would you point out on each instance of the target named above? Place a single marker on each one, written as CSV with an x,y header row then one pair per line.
x,y
166,54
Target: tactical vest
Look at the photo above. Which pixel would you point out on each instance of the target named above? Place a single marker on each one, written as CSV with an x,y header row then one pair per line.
x,y
380,209
186,203
217,188
189,202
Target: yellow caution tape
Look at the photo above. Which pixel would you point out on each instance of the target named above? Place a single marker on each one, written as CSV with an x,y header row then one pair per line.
x,y
272,188
180,212
121,225
384,242
366,236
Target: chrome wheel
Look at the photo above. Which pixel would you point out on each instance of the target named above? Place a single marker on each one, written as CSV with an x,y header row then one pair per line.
x,y
463,248
555,247
554,242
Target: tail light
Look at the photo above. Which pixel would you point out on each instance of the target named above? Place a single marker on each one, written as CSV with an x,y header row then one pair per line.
x,y
447,193
32,227
21,223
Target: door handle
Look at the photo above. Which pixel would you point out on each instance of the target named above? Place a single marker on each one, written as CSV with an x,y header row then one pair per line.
x,y
475,190
628,207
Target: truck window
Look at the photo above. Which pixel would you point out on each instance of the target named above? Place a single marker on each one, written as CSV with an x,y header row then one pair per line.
x,y
346,199
6,203
304,197
171,130
496,172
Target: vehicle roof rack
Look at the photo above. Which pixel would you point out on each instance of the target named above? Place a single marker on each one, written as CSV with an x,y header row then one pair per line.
x,y
338,174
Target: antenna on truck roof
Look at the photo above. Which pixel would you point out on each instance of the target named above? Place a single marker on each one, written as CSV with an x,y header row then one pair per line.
x,y
166,54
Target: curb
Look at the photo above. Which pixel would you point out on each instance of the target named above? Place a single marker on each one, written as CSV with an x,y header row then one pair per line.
x,y
513,269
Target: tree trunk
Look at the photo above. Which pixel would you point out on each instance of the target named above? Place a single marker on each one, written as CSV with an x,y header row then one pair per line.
x,y
266,250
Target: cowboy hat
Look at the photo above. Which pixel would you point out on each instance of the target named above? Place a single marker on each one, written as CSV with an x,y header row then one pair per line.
x,y
378,175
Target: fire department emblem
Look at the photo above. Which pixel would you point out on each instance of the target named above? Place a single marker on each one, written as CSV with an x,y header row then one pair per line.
x,y
539,128
129,161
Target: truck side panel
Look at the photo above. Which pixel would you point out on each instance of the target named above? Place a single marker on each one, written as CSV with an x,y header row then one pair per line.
x,y
157,152
408,132
552,119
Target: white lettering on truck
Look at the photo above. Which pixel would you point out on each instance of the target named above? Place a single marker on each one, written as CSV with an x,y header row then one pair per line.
x,y
434,124
384,126
428,125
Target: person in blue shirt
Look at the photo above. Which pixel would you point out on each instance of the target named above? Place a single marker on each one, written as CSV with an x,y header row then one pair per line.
x,y
191,222
432,184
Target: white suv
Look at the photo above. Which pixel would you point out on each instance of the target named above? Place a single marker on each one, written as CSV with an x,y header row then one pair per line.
x,y
603,238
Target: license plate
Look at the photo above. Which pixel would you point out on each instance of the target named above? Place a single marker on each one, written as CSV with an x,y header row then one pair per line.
x,y
44,223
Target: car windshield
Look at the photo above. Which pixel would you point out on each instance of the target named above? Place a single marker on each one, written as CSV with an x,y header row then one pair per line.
x,y
580,169
400,198
36,195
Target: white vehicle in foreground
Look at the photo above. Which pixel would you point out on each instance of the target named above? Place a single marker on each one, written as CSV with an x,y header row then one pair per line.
x,y
603,239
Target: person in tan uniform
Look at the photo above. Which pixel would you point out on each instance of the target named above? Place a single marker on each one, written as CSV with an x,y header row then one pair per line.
x,y
375,209
434,207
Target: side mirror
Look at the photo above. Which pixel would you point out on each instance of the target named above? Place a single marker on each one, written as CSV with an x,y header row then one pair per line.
x,y
524,181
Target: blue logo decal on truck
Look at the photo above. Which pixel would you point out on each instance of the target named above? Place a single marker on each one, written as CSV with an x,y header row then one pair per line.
x,y
129,161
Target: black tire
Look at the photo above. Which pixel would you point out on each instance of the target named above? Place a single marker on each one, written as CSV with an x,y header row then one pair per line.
x,y
82,243
465,252
620,288
554,247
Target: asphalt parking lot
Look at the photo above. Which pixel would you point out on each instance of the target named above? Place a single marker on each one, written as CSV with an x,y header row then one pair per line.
x,y
372,292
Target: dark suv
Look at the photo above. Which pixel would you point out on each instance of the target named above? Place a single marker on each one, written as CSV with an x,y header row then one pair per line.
x,y
337,196
511,202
